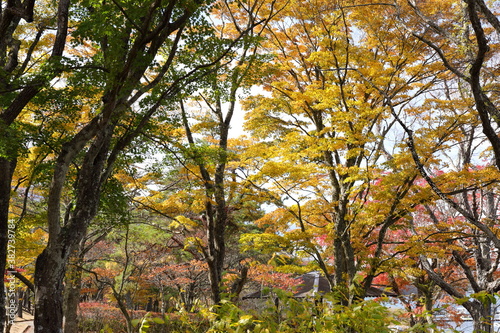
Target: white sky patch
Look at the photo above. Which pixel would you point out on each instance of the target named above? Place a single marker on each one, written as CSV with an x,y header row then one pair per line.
x,y
238,119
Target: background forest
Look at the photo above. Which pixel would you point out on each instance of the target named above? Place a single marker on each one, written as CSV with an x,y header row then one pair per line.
x,y
132,199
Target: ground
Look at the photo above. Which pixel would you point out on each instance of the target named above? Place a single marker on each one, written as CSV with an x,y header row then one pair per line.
x,y
23,325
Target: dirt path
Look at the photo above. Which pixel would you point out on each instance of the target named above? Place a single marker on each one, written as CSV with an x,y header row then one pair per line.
x,y
23,325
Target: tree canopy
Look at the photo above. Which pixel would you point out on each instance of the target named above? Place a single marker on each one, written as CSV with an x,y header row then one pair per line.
x,y
370,154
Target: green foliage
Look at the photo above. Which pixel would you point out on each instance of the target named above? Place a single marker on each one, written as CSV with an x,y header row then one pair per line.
x,y
365,316
10,141
114,204
283,314
143,323
206,154
181,322
325,314
486,298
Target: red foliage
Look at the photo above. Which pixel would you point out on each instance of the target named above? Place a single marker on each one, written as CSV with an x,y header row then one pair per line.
x,y
267,276
94,316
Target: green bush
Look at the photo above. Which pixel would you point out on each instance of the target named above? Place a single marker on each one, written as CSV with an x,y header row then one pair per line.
x,y
99,317
172,323
282,313
286,314
289,314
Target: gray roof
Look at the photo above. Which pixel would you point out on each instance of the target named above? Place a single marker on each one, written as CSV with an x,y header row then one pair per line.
x,y
314,283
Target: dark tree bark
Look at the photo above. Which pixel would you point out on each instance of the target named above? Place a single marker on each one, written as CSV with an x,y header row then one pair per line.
x,y
72,295
6,170
237,286
73,280
101,145
216,207
10,17
215,215
49,275
51,265
482,317
345,264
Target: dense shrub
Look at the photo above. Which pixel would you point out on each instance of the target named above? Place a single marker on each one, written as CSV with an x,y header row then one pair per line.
x,y
286,315
291,315
94,317
97,317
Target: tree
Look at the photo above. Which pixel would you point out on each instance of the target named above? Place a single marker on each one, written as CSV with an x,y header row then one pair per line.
x,y
124,68
369,154
327,109
467,56
28,64
463,219
123,263
188,279
216,210
113,213
215,101
73,280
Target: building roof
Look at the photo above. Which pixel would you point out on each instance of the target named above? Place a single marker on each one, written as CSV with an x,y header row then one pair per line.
x,y
314,283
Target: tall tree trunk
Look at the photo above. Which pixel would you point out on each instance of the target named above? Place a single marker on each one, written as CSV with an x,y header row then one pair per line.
x,y
345,266
218,220
6,171
51,265
482,316
72,297
216,250
216,214
10,16
49,274
50,270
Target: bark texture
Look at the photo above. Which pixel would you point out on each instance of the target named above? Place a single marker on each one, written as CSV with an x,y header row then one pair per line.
x,y
6,169
51,265
100,146
72,297
10,18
